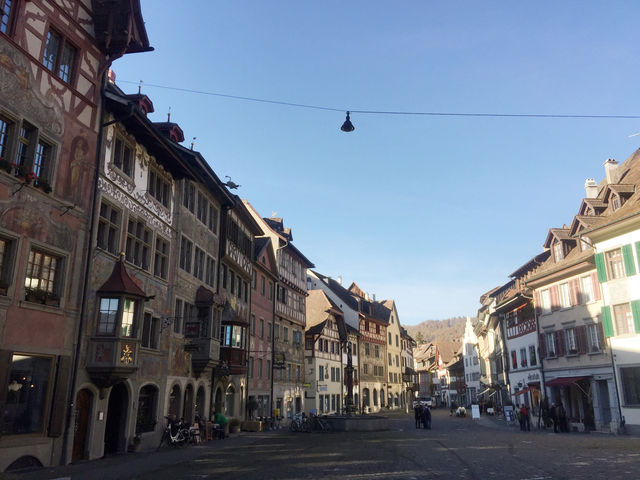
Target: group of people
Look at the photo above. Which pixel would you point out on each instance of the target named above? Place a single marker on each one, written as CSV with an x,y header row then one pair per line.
x,y
423,416
558,416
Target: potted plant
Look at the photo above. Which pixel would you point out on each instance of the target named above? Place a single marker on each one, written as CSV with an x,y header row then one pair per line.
x,y
234,425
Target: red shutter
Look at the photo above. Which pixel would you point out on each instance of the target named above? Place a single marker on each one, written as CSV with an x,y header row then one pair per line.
x,y
596,286
560,349
581,339
542,346
536,301
574,289
555,298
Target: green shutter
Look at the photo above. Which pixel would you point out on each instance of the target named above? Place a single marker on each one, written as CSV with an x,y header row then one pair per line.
x,y
629,263
606,322
635,309
602,271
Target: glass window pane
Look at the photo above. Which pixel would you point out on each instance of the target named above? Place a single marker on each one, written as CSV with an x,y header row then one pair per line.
x,y
51,50
128,310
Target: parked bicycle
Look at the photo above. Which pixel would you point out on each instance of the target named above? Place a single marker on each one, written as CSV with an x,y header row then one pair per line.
x,y
321,423
300,423
176,434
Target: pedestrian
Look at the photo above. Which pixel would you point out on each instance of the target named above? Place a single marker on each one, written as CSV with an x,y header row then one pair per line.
x,y
426,417
553,415
561,414
417,412
519,417
222,421
525,423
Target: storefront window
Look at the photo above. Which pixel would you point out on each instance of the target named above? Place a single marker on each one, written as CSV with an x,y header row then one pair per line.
x,y
27,395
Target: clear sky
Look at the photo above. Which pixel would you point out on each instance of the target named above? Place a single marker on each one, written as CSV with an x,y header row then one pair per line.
x,y
432,211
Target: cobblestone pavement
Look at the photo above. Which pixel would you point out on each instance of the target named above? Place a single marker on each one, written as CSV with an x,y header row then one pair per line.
x,y
455,448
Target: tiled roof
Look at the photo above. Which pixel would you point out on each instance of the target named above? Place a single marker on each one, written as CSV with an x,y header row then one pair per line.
x,y
342,293
119,282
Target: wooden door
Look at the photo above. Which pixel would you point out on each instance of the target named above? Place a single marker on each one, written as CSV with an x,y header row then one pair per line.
x,y
81,426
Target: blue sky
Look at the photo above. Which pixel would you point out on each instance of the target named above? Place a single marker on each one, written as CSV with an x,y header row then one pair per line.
x,y
431,211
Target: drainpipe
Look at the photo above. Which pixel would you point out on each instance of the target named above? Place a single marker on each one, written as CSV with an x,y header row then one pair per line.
x,y
615,380
88,264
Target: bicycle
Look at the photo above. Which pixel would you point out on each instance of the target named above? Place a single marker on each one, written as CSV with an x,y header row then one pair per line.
x,y
300,423
176,434
321,424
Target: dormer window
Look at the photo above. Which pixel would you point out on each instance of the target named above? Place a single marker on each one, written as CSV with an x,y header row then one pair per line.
x,y
615,201
558,253
123,156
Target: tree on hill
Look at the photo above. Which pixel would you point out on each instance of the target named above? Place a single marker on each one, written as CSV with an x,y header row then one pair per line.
x,y
434,331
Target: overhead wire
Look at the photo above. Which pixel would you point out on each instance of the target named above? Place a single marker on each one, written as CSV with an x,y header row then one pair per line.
x,y
383,112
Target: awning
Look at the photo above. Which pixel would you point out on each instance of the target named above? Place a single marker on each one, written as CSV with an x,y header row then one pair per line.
x,y
563,381
524,390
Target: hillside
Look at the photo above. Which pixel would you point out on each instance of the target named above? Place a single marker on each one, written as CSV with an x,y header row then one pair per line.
x,y
451,329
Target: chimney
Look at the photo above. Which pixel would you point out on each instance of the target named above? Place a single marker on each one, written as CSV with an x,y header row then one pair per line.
x,y
111,76
591,187
610,167
339,279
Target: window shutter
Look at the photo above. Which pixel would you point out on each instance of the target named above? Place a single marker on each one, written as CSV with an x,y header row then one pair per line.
x,y
629,263
581,339
5,369
606,321
560,346
59,404
574,288
555,298
600,267
595,285
635,309
536,300
600,333
542,346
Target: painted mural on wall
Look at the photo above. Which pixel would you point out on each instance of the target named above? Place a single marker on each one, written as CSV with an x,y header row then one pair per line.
x,y
16,89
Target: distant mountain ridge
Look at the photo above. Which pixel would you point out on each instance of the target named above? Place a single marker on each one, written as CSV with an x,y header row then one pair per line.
x,y
449,330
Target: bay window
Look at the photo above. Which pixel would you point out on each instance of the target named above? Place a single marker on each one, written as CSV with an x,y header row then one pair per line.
x,y
117,317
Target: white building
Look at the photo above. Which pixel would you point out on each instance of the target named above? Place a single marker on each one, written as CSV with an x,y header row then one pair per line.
x,y
471,363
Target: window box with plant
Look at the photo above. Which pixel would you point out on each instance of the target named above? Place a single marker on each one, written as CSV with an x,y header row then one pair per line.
x,y
44,297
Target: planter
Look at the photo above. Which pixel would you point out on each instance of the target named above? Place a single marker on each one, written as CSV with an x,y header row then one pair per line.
x,y
252,426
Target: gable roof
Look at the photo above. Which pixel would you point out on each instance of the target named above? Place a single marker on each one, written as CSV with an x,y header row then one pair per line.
x,y
341,292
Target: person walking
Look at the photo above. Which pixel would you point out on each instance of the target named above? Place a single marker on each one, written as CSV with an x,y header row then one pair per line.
x,y
525,422
221,420
426,417
561,414
417,412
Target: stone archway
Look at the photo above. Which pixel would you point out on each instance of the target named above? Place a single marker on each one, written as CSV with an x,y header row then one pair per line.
x,y
114,434
217,406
